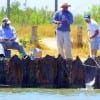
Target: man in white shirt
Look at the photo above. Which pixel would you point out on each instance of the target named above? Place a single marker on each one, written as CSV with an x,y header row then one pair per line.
x,y
94,35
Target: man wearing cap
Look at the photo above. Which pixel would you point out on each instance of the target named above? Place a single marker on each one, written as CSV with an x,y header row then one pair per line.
x,y
94,35
63,19
8,37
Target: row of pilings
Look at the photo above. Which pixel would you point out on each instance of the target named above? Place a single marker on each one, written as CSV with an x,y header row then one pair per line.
x,y
49,72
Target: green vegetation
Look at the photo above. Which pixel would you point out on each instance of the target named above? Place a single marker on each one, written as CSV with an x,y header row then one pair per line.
x,y
32,16
28,16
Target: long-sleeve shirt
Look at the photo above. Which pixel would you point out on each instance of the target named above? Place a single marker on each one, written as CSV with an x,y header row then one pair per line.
x,y
59,16
7,33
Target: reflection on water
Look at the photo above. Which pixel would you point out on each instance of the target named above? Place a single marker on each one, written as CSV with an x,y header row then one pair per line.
x,y
49,94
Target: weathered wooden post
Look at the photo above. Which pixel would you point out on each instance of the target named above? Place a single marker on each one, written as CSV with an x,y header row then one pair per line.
x,y
34,34
8,9
56,5
79,41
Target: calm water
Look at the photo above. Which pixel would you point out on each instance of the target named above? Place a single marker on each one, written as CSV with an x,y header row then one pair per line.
x,y
49,94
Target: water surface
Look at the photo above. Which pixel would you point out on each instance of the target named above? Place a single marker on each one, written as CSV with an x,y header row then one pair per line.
x,y
48,94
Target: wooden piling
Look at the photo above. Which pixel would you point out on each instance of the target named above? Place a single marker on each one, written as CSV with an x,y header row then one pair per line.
x,y
79,41
34,34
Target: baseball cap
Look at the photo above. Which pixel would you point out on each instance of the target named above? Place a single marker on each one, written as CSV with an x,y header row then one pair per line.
x,y
86,17
6,20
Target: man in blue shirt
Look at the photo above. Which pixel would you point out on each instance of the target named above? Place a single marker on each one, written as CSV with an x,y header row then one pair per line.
x,y
63,19
8,37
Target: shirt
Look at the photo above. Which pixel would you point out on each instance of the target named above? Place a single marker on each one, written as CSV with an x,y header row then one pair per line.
x,y
59,16
7,33
92,27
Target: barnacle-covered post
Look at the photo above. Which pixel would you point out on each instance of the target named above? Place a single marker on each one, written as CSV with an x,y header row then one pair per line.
x,y
79,36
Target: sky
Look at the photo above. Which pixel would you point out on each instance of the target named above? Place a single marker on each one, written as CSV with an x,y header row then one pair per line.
x,y
77,6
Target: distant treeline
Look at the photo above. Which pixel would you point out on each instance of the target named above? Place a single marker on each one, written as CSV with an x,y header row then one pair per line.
x,y
28,15
32,16
94,11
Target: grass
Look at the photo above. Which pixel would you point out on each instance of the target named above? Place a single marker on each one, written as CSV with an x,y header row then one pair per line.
x,y
44,31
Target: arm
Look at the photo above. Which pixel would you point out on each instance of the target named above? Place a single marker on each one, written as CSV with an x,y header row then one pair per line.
x,y
70,18
96,30
1,34
14,34
67,18
56,18
96,33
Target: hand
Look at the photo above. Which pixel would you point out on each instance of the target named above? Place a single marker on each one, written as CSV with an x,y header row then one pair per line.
x,y
58,22
12,39
6,39
64,20
90,38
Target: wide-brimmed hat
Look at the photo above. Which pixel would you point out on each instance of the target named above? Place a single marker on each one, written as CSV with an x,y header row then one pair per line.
x,y
65,5
6,20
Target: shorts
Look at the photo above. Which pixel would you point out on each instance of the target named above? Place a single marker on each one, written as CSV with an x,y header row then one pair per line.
x,y
94,44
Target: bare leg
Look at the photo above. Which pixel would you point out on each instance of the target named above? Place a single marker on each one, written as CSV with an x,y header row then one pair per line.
x,y
93,53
